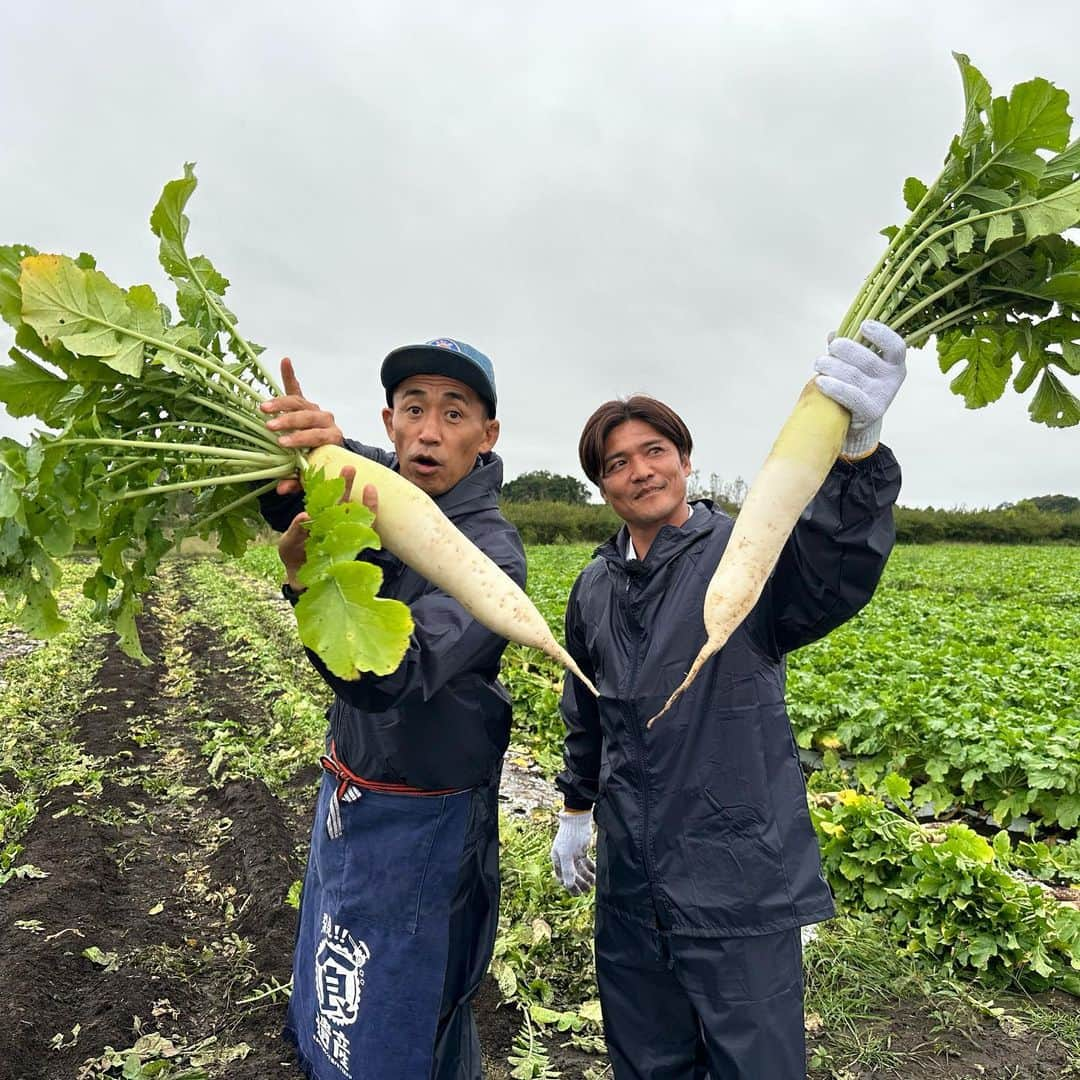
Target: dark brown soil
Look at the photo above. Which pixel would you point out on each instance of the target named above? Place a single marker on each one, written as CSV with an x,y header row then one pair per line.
x,y
194,911
152,876
985,1051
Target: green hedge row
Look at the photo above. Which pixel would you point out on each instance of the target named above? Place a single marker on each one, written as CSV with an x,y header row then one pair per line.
x,y
571,523
1014,525
561,523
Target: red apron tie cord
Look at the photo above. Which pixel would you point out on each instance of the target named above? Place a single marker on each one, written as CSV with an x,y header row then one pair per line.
x,y
348,781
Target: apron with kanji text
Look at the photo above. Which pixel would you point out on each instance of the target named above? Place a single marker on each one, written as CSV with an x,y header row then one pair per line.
x,y
372,939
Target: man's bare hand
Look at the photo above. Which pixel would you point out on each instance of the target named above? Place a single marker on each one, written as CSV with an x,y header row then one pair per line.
x,y
298,423
291,548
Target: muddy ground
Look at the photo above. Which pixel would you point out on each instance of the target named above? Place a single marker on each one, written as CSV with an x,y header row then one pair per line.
x,y
187,916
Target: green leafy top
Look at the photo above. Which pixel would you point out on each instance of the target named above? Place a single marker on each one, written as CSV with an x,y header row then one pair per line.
x,y
339,612
156,436
983,261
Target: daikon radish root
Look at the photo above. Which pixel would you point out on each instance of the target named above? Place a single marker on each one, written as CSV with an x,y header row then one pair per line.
x,y
795,469
414,529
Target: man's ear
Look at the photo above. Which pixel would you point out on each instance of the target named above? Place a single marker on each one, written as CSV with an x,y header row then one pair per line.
x,y
686,467
491,435
387,419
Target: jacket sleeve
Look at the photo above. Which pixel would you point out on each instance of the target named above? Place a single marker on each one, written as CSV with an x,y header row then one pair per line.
x,y
279,510
582,749
447,642
831,564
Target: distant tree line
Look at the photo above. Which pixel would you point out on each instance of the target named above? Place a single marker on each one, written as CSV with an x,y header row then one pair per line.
x,y
551,509
1045,519
542,486
1055,504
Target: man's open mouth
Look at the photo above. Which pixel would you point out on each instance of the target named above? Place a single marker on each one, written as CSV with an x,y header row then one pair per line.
x,y
422,461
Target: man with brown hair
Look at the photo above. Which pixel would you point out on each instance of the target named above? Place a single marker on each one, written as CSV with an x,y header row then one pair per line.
x,y
707,864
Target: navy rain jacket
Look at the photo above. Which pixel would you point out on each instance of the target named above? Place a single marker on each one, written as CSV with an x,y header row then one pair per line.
x,y
441,720
702,819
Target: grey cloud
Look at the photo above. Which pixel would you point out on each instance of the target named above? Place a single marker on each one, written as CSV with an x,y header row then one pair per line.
x,y
606,198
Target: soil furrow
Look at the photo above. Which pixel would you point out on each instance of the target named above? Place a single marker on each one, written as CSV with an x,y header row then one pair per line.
x,y
178,883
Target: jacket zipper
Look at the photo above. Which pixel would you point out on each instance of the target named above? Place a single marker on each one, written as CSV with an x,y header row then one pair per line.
x,y
639,738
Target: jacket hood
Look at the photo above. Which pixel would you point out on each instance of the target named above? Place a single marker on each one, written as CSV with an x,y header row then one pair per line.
x,y
670,540
479,490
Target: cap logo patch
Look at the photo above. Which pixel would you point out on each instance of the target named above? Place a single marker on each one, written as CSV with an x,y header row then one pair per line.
x,y
446,343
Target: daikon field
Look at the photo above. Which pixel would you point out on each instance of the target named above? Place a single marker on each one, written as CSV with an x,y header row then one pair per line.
x,y
154,822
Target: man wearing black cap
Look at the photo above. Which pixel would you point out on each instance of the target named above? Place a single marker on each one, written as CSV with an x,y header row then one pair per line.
x,y
401,896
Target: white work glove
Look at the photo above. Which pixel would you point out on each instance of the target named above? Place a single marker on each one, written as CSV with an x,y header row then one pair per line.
x,y
863,381
569,853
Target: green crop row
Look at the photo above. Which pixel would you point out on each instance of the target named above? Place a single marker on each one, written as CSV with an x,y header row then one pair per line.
x,y
962,676
43,686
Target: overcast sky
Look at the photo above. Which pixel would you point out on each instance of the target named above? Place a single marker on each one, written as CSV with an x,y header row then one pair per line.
x,y
669,197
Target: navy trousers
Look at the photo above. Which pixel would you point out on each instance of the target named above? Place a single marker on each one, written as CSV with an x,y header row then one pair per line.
x,y
677,1007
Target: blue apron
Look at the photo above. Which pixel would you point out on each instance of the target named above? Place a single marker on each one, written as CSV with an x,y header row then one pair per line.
x,y
373,934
